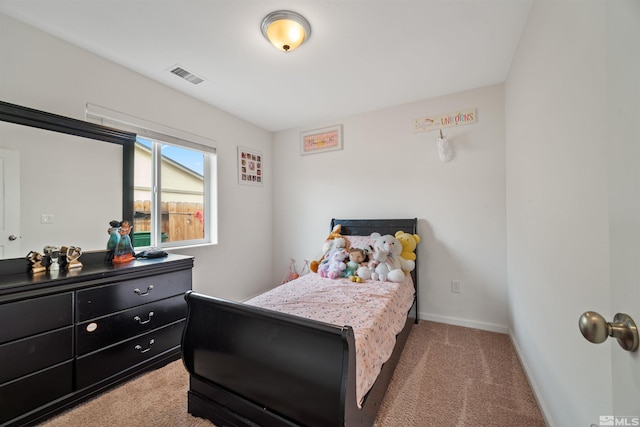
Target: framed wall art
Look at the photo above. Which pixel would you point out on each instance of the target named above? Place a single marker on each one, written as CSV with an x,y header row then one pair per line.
x,y
250,167
321,140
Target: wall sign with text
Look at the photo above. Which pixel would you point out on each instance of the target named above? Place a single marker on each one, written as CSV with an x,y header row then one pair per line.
x,y
456,118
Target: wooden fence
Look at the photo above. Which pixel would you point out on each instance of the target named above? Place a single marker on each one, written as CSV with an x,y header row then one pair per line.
x,y
180,221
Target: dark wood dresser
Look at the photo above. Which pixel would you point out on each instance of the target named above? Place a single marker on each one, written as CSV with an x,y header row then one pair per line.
x,y
67,336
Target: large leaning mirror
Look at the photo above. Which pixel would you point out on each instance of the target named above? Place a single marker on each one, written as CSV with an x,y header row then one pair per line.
x,y
64,179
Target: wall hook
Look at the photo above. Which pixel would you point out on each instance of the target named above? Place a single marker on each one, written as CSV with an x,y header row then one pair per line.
x,y
445,149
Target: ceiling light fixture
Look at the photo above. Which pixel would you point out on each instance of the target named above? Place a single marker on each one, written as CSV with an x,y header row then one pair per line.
x,y
285,30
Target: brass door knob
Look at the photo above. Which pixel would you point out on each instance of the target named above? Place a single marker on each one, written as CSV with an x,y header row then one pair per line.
x,y
596,329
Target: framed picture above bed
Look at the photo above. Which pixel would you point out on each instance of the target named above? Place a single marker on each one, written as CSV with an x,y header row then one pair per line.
x,y
321,140
250,167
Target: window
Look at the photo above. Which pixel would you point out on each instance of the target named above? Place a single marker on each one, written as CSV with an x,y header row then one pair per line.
x,y
174,183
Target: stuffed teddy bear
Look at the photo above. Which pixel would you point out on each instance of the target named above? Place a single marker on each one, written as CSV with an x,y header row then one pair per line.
x,y
335,265
409,243
386,263
334,240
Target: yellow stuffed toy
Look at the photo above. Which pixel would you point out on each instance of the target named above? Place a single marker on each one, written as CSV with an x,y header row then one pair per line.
x,y
409,243
334,239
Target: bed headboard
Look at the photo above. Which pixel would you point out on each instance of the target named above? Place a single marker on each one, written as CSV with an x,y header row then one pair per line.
x,y
364,227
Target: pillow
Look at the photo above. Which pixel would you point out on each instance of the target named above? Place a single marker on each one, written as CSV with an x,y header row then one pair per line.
x,y
357,241
362,242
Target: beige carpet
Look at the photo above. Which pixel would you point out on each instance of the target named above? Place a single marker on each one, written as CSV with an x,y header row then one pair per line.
x,y
454,376
448,376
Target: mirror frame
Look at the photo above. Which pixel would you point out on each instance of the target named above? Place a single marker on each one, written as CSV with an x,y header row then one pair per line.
x,y
40,119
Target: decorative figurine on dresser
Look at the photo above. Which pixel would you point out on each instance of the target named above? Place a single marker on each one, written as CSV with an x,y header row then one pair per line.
x,y
72,253
119,244
51,254
114,238
35,258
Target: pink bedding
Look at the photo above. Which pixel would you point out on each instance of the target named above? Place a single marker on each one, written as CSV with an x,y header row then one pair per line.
x,y
375,310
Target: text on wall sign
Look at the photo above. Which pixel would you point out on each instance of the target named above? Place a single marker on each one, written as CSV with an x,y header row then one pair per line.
x,y
457,118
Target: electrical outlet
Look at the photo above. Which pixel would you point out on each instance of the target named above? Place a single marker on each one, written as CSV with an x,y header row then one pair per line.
x,y
46,219
455,286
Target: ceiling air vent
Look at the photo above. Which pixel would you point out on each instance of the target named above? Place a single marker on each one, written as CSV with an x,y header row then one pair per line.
x,y
187,75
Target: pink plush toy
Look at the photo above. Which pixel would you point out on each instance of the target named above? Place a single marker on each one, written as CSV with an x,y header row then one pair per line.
x,y
335,265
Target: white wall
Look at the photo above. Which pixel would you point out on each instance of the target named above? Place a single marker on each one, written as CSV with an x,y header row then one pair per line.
x,y
387,171
45,73
557,206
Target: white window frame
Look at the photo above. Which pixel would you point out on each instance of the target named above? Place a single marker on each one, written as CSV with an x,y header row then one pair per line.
x,y
160,134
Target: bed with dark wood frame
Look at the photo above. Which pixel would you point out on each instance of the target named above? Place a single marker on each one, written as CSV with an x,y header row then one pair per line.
x,y
254,367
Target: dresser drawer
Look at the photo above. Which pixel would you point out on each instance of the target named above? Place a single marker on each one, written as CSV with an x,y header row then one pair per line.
x,y
102,364
102,332
24,318
27,355
27,393
103,300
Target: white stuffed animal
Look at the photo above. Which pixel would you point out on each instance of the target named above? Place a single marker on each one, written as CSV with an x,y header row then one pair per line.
x,y
386,263
335,265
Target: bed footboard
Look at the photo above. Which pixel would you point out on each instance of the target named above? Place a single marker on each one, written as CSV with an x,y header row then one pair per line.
x,y
274,369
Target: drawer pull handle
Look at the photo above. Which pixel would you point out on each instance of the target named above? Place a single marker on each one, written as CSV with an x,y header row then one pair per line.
x,y
139,347
140,321
139,292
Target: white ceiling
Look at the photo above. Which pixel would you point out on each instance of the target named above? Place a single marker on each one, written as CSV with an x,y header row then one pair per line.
x,y
362,55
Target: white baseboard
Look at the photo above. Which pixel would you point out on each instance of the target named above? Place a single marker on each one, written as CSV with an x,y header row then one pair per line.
x,y
532,383
492,327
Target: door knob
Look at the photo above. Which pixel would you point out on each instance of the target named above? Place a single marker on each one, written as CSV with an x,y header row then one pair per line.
x,y
12,237
596,329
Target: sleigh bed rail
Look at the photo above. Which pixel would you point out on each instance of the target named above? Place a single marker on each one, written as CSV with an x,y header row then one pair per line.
x,y
273,368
